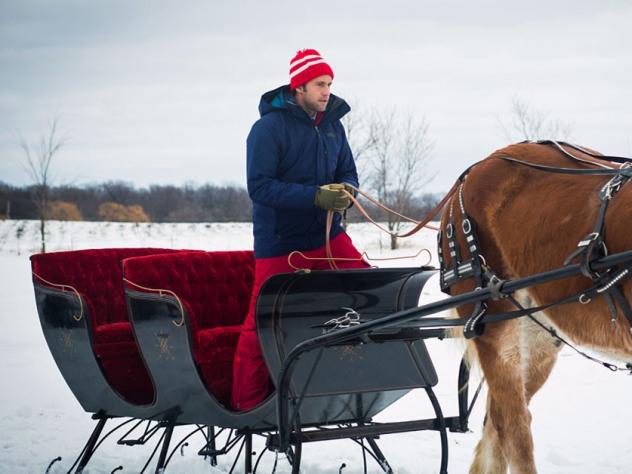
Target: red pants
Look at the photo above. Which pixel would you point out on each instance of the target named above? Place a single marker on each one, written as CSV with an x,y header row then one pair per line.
x,y
251,382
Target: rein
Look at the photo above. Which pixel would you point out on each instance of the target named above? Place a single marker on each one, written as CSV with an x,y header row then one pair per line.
x,y
558,145
623,170
418,224
387,209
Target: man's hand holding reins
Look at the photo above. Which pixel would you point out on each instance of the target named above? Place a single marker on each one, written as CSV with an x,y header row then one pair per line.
x,y
332,197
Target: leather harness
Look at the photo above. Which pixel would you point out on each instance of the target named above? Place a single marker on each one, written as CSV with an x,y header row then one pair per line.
x,y
606,283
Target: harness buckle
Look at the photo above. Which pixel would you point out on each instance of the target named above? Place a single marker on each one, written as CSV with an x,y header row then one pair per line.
x,y
495,286
590,238
586,248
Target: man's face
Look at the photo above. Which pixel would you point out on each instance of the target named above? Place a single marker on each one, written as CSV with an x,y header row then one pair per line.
x,y
314,95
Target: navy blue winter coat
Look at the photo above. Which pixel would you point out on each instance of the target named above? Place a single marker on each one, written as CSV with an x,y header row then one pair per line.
x,y
289,158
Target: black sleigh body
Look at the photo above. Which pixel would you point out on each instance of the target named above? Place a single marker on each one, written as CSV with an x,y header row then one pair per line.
x,y
164,352
82,309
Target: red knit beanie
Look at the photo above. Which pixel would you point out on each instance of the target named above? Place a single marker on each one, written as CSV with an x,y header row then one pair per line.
x,y
305,66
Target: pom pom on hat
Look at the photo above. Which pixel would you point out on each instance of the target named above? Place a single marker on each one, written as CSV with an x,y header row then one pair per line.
x,y
305,66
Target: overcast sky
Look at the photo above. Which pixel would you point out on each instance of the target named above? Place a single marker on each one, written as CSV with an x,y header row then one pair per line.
x,y
166,92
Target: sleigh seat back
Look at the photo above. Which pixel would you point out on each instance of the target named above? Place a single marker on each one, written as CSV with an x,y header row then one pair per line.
x,y
82,309
188,311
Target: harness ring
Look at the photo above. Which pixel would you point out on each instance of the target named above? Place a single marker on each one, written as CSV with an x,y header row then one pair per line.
x,y
449,230
583,299
467,226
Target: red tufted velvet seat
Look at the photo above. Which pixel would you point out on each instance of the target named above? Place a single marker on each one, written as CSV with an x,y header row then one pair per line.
x,y
97,276
215,288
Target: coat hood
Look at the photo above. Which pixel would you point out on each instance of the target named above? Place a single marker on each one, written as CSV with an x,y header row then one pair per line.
x,y
281,98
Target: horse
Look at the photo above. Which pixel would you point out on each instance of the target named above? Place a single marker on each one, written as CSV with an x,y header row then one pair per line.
x,y
529,218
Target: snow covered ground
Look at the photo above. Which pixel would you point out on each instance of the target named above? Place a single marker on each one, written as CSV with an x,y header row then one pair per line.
x,y
580,418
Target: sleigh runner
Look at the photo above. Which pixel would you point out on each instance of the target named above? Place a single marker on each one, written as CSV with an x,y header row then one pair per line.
x,y
329,337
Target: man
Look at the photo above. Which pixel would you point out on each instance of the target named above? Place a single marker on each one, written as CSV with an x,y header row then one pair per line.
x,y
298,162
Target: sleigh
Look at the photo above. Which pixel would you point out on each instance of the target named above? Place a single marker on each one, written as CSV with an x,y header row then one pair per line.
x,y
147,337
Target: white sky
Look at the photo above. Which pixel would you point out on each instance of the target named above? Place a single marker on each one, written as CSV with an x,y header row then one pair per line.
x,y
166,92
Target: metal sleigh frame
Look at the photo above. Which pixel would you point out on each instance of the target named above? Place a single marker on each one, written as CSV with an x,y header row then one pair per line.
x,y
287,417
419,319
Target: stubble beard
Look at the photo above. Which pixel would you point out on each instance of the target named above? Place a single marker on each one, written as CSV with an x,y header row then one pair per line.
x,y
316,106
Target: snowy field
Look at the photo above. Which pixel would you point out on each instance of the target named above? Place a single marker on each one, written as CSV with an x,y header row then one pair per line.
x,y
581,417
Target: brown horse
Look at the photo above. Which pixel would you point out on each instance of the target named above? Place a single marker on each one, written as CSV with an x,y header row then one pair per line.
x,y
528,221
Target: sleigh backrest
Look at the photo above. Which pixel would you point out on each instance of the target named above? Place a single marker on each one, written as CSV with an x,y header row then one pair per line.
x,y
96,275
214,289
215,286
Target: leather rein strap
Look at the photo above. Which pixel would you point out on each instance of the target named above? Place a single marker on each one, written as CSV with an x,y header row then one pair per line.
x,y
623,171
419,224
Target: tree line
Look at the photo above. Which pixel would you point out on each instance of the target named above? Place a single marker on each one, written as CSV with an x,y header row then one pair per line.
x,y
122,201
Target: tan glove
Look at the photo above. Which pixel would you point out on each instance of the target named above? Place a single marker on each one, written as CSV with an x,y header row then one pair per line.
x,y
332,197
350,189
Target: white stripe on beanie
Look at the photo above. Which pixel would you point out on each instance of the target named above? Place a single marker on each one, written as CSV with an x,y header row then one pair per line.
x,y
306,66
304,58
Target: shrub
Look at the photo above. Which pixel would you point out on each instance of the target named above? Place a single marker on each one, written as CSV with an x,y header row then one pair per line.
x,y
63,211
136,213
114,212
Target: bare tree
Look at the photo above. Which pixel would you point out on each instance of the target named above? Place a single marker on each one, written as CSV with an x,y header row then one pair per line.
x,y
358,136
37,164
399,153
525,123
